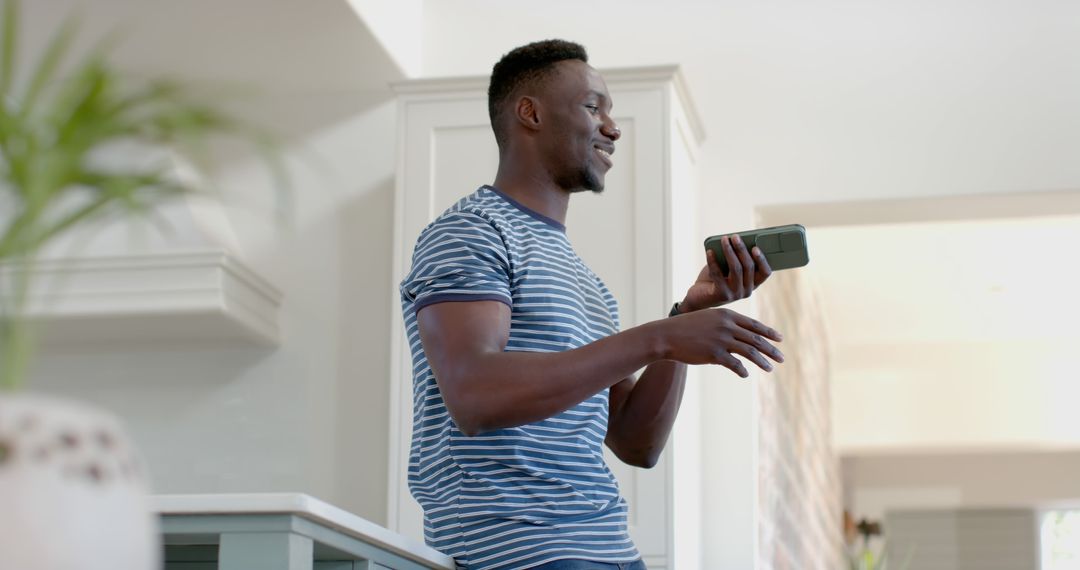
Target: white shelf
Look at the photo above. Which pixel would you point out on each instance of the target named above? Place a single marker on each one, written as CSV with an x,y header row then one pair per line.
x,y
201,297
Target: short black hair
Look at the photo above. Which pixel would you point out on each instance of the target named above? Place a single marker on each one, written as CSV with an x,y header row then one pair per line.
x,y
522,66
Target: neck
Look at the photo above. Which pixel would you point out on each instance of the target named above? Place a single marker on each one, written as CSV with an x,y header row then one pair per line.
x,y
534,189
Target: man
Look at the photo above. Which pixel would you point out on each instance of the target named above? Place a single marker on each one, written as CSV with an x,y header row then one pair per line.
x,y
520,371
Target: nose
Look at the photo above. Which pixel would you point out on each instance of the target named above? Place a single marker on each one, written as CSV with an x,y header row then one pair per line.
x,y
611,130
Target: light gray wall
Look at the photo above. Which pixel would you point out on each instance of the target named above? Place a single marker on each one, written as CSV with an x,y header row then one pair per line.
x,y
969,539
1044,479
310,415
957,508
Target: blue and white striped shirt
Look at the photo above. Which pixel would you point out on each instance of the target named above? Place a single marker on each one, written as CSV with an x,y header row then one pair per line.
x,y
519,497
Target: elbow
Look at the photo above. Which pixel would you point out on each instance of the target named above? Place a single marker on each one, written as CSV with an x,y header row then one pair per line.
x,y
635,449
467,429
646,460
466,418
469,424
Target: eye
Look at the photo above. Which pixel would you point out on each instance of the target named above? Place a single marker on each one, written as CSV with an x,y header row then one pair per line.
x,y
594,109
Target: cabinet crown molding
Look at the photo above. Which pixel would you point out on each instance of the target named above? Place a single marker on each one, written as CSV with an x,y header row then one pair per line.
x,y
187,297
469,86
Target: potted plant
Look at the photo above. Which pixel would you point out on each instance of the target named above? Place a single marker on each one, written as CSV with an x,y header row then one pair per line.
x,y
863,558
72,492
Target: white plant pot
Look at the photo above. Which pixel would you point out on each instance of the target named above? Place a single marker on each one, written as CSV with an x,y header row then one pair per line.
x,y
73,494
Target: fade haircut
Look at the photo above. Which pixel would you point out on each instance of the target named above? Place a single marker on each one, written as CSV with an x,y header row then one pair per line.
x,y
525,66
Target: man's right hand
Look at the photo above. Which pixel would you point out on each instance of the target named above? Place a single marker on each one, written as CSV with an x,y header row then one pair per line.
x,y
714,336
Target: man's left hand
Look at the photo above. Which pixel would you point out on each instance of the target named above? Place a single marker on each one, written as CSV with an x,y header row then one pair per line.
x,y
746,270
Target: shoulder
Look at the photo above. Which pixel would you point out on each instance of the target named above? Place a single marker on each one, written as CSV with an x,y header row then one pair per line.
x,y
477,210
455,226
475,215
465,230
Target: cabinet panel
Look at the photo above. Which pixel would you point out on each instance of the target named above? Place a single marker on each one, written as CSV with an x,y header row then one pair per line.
x,y
601,226
463,158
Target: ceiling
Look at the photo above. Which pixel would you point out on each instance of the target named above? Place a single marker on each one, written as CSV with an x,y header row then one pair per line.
x,y
292,65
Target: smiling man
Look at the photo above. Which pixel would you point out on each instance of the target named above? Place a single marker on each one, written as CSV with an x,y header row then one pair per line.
x,y
521,374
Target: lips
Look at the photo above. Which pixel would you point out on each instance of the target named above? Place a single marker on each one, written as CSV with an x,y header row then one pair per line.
x,y
605,152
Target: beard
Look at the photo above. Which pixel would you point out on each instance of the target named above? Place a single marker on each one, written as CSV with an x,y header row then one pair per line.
x,y
584,179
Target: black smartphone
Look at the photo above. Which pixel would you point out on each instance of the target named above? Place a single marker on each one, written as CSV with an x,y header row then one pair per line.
x,y
784,246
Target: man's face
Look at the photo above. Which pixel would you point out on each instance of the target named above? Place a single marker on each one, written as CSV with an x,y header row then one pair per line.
x,y
580,134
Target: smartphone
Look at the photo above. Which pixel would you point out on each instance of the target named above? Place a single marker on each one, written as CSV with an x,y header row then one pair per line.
x,y
784,246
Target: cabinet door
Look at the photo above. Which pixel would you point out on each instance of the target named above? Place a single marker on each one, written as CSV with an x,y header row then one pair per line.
x,y
446,151
621,235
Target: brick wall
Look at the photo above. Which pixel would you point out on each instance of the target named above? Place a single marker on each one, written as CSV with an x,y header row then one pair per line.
x,y
799,491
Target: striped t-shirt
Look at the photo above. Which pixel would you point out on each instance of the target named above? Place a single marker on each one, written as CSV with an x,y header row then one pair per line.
x,y
513,498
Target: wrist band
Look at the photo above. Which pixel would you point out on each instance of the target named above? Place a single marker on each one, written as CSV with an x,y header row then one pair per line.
x,y
674,311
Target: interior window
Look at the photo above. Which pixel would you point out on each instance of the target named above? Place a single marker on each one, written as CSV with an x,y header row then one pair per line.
x,y
1061,540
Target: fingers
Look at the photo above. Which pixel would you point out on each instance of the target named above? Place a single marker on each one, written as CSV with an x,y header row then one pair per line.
x,y
757,327
760,344
719,336
735,267
755,349
747,262
753,355
726,358
713,264
763,269
749,339
733,364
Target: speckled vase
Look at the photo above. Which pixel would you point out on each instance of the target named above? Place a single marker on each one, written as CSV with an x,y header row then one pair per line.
x,y
73,494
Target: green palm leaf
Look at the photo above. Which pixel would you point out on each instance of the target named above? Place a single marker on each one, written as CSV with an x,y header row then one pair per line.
x,y
7,46
48,140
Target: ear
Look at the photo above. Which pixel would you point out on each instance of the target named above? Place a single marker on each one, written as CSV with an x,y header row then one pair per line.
x,y
527,113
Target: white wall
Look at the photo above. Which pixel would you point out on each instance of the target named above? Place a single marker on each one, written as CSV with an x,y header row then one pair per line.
x,y
311,414
817,102
1016,396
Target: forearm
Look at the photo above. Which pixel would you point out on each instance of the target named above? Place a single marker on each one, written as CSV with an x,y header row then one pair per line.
x,y
638,432
497,390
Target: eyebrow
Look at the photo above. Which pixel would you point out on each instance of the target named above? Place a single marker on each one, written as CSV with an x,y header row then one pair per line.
x,y
600,95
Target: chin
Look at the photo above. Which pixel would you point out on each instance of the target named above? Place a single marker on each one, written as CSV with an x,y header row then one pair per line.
x,y
585,181
594,188
593,183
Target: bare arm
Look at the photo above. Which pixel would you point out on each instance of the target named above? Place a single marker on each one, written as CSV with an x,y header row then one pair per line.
x,y
486,388
642,412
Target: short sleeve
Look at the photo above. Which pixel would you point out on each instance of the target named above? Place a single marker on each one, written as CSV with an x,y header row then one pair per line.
x,y
459,257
